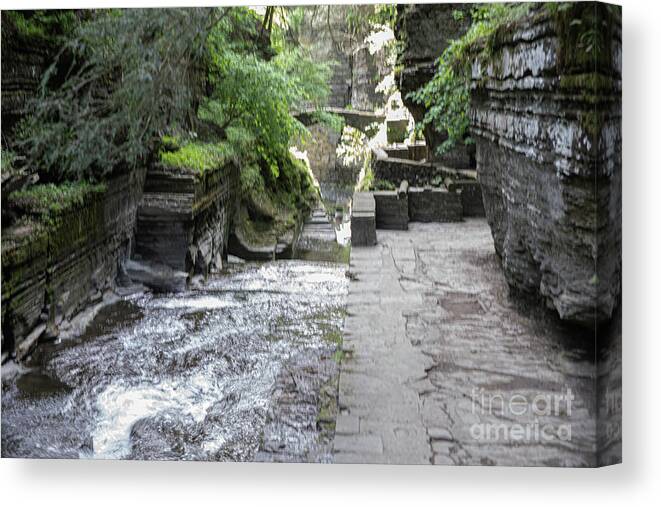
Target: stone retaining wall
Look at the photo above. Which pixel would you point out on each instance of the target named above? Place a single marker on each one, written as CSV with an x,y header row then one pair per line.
x,y
417,173
392,210
471,197
51,273
400,151
395,209
434,205
396,170
546,117
418,151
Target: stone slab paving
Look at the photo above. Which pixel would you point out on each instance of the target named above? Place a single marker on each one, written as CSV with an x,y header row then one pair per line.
x,y
430,335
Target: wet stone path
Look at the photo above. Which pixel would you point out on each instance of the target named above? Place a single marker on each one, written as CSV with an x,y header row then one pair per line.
x,y
442,367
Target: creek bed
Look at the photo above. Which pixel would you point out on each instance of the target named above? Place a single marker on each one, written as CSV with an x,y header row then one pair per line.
x,y
244,368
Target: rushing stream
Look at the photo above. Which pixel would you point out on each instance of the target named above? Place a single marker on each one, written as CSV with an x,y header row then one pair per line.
x,y
236,370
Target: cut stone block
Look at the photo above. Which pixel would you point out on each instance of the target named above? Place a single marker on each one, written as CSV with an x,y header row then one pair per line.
x,y
363,220
434,205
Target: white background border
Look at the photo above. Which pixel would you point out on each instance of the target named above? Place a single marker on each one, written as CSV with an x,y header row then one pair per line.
x,y
636,482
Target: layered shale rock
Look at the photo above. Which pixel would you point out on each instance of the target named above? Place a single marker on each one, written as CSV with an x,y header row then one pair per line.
x,y
323,30
23,63
184,219
28,49
355,71
546,117
53,270
423,32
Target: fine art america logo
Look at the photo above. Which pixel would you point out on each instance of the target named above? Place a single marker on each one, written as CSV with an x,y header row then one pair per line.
x,y
516,418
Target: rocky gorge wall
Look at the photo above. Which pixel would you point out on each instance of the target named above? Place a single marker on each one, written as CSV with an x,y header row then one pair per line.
x,y
546,117
52,272
355,71
184,218
25,58
423,32
368,70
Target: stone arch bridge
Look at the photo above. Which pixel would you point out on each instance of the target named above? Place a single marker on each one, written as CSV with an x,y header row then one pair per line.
x,y
360,120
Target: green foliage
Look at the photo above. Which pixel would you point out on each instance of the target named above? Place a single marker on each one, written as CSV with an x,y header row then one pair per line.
x,y
447,96
50,200
133,74
353,149
251,179
385,15
42,24
347,26
295,184
256,108
358,20
363,19
198,156
286,30
170,143
384,185
199,88
331,120
7,159
458,15
585,33
275,208
367,183
307,79
338,356
257,97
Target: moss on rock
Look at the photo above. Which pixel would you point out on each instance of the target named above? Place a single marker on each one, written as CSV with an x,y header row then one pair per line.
x,y
195,156
47,201
271,208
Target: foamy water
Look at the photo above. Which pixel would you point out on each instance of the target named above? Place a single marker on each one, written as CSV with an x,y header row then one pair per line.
x,y
182,376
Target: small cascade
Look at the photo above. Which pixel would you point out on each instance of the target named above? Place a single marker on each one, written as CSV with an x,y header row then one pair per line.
x,y
320,238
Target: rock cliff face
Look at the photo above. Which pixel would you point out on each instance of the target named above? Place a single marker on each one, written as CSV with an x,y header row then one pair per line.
x,y
546,116
423,32
184,218
323,31
355,72
25,57
368,69
23,63
51,273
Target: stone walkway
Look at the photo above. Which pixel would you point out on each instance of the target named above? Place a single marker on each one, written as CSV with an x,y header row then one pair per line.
x,y
435,350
